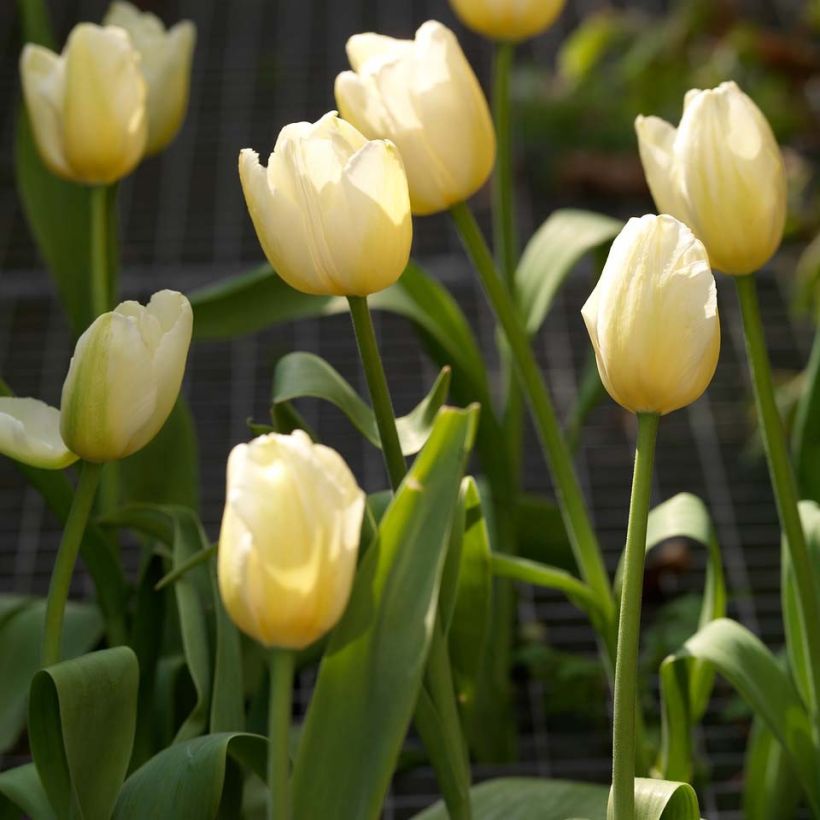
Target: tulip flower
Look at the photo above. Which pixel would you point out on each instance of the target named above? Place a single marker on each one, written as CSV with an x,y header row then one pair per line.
x,y
653,317
510,20
721,172
422,95
289,539
165,62
125,376
30,433
87,105
331,210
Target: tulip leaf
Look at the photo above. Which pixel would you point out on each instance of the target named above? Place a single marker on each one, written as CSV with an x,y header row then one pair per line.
x,y
82,718
551,254
197,778
376,655
21,631
806,430
540,532
523,798
22,792
300,375
770,788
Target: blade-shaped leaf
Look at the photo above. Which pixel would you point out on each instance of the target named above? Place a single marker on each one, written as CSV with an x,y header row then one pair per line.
x,y
192,779
550,255
806,430
770,788
22,791
376,655
82,718
300,375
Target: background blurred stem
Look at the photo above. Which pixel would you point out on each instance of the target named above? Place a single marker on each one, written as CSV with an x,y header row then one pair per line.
x,y
66,559
624,742
279,718
782,478
503,202
100,297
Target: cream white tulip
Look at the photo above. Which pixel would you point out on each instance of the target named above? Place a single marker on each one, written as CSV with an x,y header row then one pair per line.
x,y
289,539
87,105
721,172
30,433
165,61
508,19
422,95
331,210
653,317
125,377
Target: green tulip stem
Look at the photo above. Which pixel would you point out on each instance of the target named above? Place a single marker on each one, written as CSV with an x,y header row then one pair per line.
x,y
629,624
782,476
66,558
100,297
379,391
573,508
280,707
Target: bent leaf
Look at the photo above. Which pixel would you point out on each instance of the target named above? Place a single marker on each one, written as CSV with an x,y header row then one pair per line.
x,y
22,791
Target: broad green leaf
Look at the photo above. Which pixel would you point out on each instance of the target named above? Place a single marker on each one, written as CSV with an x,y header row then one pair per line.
x,y
82,717
770,789
21,633
540,532
754,672
300,375
193,779
376,655
22,792
552,253
796,645
806,430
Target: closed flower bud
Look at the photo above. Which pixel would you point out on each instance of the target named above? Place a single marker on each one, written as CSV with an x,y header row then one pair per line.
x,y
331,210
653,317
721,172
165,62
508,19
422,95
87,105
125,376
289,539
30,433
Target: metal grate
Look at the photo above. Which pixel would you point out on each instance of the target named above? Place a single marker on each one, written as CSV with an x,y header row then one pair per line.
x,y
260,64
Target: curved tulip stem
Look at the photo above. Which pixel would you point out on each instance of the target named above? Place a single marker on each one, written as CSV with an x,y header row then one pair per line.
x,y
782,477
66,558
379,392
573,508
100,297
622,802
280,705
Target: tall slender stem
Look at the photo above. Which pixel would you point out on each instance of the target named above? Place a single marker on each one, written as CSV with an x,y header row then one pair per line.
x,y
629,624
573,508
100,297
279,718
66,558
379,392
782,477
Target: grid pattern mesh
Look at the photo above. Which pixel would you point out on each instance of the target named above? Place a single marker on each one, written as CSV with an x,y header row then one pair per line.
x,y
260,64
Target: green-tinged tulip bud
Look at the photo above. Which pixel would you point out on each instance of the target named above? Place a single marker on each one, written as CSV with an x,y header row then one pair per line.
x,y
721,172
87,105
125,376
30,433
508,19
331,210
422,95
653,317
289,539
165,61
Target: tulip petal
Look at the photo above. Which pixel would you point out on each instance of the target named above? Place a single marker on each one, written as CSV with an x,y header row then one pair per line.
x,y
364,48
30,433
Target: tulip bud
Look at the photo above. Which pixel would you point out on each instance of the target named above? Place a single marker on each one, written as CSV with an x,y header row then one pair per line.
x,y
30,433
165,62
422,95
87,105
124,377
653,317
331,210
721,172
508,19
289,539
